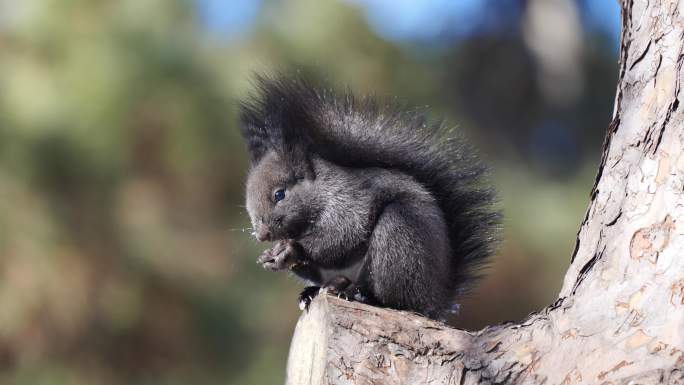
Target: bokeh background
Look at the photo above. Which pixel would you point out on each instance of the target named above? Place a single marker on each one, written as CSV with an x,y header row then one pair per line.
x,y
123,252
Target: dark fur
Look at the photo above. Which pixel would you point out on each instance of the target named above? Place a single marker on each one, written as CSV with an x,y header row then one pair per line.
x,y
366,184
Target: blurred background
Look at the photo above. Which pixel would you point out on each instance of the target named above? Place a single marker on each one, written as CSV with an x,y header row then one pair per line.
x,y
123,255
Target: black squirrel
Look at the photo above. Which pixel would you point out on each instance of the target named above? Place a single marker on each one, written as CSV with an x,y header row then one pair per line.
x,y
370,201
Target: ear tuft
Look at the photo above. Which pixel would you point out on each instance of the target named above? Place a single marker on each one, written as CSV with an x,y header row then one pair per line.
x,y
254,131
278,117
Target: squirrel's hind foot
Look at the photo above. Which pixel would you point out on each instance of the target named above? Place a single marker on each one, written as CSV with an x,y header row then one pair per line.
x,y
306,296
339,286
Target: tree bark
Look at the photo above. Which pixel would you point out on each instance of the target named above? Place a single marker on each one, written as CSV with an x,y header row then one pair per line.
x,y
619,317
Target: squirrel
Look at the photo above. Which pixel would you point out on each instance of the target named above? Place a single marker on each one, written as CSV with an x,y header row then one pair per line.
x,y
367,200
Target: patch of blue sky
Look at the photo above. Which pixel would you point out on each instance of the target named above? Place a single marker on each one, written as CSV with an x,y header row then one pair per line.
x,y
406,20
228,19
603,16
425,20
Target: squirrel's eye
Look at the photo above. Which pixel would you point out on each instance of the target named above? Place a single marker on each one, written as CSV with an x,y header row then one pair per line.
x,y
279,195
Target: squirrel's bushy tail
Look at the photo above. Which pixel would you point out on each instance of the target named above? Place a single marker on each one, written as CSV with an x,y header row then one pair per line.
x,y
293,117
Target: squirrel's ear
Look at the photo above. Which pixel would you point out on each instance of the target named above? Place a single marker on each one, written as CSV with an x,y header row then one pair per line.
x,y
297,159
308,170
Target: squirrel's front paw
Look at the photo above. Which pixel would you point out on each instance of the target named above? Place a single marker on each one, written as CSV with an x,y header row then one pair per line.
x,y
282,255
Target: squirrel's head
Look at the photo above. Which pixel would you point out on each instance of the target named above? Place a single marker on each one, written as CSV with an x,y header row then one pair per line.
x,y
280,198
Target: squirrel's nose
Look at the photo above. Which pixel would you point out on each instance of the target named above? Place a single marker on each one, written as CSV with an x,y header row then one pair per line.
x,y
262,233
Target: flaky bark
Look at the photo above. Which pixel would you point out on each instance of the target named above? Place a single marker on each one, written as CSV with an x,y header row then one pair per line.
x,y
619,317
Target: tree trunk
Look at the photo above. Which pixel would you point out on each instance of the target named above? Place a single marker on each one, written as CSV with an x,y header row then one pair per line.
x,y
619,317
